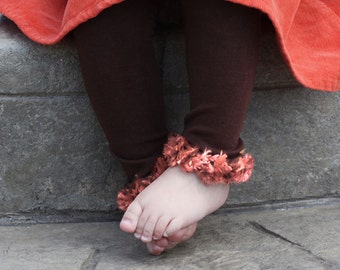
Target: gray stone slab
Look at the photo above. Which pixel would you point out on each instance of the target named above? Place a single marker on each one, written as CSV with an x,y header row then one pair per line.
x,y
301,238
173,66
53,155
293,136
27,67
272,70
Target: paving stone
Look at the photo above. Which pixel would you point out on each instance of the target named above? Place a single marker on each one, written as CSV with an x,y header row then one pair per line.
x,y
285,238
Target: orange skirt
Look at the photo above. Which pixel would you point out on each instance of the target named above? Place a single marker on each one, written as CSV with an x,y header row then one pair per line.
x,y
308,30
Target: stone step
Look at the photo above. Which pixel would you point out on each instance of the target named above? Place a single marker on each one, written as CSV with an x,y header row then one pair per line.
x,y
53,155
286,238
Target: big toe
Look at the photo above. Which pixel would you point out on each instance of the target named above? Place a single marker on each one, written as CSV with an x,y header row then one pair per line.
x,y
130,219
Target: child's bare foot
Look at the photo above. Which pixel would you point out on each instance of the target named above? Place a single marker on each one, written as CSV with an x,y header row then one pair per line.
x,y
156,247
173,201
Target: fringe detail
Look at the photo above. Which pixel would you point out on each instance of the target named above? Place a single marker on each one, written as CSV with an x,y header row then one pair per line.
x,y
211,169
127,194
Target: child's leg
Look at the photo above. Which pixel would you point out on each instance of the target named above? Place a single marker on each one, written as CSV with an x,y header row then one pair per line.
x,y
222,48
123,81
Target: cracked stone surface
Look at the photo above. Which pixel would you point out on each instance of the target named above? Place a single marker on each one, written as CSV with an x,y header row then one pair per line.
x,y
285,238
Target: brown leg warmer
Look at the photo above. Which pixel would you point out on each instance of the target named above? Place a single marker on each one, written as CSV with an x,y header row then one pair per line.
x,y
122,76
123,81
222,49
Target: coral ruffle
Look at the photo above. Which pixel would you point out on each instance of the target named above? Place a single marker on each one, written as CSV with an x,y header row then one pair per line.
x,y
210,168
130,192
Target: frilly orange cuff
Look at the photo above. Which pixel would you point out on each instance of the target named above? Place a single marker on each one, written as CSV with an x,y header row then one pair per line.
x,y
210,168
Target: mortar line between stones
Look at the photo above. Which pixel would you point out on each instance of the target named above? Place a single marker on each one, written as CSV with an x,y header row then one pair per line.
x,y
260,228
41,95
50,216
92,260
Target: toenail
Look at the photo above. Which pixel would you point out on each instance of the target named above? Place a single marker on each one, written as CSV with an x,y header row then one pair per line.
x,y
145,239
165,234
156,238
137,235
126,222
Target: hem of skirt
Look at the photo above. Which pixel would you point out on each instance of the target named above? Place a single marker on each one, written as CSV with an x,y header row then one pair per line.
x,y
83,16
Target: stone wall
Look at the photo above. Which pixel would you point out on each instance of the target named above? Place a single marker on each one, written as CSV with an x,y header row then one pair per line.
x,y
53,155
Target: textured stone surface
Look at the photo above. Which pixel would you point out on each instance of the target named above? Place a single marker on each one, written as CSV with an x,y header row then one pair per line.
x,y
301,238
293,136
30,68
53,155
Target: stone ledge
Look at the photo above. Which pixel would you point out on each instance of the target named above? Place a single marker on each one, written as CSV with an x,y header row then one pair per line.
x,y
47,70
293,137
298,238
28,68
54,155
57,157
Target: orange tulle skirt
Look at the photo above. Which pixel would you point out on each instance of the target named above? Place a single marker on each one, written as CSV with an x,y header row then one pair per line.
x,y
308,30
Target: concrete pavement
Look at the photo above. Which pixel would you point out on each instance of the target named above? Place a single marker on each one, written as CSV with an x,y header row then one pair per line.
x,y
303,235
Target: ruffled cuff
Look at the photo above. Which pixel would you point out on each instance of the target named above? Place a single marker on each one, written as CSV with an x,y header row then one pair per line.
x,y
127,194
210,168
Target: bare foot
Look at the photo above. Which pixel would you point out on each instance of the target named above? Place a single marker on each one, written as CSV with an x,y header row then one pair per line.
x,y
172,202
156,247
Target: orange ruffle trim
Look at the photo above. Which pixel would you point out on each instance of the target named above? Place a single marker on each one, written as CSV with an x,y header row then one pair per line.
x,y
210,168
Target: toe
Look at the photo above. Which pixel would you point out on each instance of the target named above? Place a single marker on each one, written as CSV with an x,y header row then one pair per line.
x,y
143,218
130,219
174,226
183,234
154,249
149,229
160,227
163,242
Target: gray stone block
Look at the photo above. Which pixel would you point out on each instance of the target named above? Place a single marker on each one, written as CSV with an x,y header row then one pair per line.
x,y
299,239
272,70
293,136
54,156
173,66
30,68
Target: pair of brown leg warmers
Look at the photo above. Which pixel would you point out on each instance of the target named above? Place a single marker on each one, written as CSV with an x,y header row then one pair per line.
x,y
123,79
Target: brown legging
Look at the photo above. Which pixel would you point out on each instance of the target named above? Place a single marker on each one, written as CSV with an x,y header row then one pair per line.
x,y
123,80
